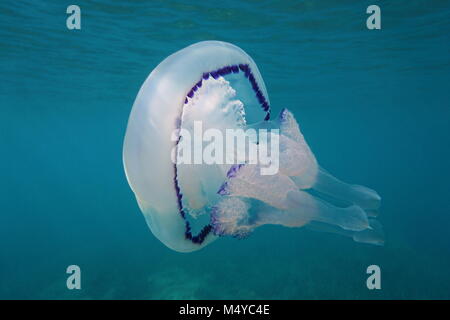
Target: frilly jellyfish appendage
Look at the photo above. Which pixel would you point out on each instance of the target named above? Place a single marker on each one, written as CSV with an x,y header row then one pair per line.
x,y
187,206
301,194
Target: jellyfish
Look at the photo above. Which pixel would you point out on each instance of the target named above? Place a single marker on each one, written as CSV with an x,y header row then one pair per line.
x,y
188,205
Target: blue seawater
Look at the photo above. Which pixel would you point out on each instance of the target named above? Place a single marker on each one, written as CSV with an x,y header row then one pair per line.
x,y
373,105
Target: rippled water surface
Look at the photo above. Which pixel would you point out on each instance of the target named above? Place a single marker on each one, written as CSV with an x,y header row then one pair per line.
x,y
374,106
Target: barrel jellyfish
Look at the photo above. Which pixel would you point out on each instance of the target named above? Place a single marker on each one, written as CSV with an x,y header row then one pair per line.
x,y
189,205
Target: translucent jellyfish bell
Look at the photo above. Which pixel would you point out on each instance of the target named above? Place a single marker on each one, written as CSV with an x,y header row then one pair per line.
x,y
213,87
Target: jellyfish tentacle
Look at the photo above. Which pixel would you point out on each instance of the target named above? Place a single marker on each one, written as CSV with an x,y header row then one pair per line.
x,y
304,206
300,194
232,217
364,197
245,180
295,207
298,161
372,235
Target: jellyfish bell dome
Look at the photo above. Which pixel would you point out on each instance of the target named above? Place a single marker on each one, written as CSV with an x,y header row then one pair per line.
x,y
187,205
157,112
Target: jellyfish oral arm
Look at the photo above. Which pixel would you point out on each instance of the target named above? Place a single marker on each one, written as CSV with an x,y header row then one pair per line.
x,y
300,195
304,208
364,197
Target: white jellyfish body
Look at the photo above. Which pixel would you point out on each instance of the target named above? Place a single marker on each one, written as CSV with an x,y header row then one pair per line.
x,y
188,205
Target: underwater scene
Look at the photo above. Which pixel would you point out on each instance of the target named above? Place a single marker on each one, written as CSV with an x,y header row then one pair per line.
x,y
97,99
